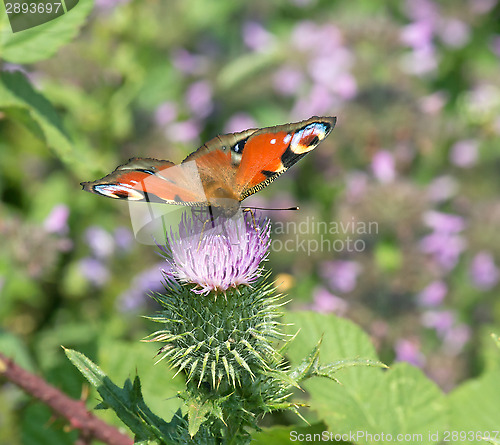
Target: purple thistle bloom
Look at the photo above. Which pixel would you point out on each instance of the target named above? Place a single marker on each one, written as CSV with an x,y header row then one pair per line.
x,y
325,301
288,80
464,153
94,271
256,37
383,166
147,281
456,338
444,247
409,351
433,294
100,242
441,321
165,113
442,188
123,238
239,122
341,275
217,256
57,220
186,131
483,271
199,98
444,222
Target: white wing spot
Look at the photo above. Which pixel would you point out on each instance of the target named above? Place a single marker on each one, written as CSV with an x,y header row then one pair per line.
x,y
287,138
272,141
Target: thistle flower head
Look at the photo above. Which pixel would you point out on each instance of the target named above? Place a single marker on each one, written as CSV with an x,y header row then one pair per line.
x,y
217,254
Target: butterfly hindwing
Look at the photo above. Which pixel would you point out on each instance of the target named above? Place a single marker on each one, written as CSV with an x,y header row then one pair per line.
x,y
152,180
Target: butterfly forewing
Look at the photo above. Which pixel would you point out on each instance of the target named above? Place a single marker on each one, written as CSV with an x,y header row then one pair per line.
x,y
270,152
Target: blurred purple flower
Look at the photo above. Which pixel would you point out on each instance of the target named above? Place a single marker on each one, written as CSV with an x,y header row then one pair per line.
x,y
239,122
444,222
100,241
327,68
150,280
123,238
189,63
256,37
356,185
444,247
422,10
420,62
495,45
184,132
481,6
318,102
308,36
325,302
442,188
109,4
483,271
199,98
218,258
433,103
418,35
456,338
57,220
340,275
288,80
383,166
433,294
345,86
441,321
94,271
453,32
464,153
303,3
409,351
165,113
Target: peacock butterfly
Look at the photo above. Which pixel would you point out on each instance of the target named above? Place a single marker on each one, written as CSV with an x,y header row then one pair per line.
x,y
221,173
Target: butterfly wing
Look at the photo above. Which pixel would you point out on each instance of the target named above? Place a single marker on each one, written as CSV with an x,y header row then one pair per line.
x,y
270,152
152,180
222,172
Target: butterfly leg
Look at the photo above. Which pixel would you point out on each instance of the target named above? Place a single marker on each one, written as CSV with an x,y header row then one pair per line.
x,y
212,219
254,223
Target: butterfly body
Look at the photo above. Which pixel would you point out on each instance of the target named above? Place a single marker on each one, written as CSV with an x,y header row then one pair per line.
x,y
221,173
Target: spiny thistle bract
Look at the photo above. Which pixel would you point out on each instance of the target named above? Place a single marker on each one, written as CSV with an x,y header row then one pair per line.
x,y
220,318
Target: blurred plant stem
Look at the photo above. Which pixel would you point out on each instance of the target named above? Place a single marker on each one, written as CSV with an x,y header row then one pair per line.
x,y
74,411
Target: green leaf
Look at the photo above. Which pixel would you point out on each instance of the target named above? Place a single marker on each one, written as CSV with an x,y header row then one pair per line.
x,y
293,434
399,401
15,349
39,428
200,410
496,339
21,102
126,402
474,406
41,42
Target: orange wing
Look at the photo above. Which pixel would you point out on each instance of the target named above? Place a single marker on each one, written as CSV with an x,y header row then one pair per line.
x,y
152,180
270,152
